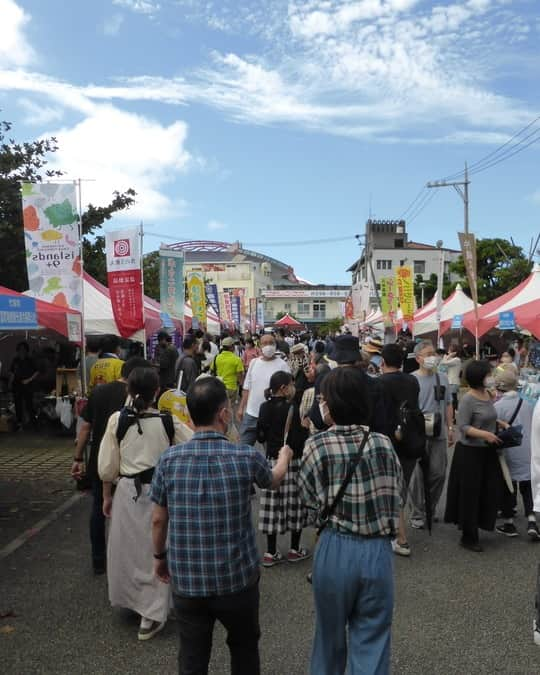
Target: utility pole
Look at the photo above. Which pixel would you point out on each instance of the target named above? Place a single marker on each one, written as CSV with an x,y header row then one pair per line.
x,y
462,188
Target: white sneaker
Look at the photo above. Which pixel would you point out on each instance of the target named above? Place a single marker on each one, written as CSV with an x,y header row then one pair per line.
x,y
418,523
149,628
536,633
401,549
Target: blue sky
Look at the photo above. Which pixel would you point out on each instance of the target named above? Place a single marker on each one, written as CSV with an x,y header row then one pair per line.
x,y
282,120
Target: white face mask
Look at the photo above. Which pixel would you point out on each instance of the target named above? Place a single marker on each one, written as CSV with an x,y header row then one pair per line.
x,y
430,362
268,351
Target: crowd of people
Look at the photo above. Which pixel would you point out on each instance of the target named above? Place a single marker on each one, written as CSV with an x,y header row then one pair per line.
x,y
336,434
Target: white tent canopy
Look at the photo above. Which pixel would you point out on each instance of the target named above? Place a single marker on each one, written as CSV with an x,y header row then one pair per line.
x,y
458,303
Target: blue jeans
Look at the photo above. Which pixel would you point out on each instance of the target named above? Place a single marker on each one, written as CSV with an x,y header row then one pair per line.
x,y
248,430
353,587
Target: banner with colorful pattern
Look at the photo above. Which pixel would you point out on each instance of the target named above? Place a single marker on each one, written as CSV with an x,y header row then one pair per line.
x,y
51,237
171,282
405,290
388,300
197,297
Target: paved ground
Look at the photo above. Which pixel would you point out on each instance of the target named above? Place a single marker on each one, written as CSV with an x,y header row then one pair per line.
x,y
456,612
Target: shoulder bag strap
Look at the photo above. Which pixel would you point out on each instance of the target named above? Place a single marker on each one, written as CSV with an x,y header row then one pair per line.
x,y
438,388
515,412
353,464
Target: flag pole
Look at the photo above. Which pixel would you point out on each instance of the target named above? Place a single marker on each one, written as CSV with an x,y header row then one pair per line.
x,y
81,256
141,241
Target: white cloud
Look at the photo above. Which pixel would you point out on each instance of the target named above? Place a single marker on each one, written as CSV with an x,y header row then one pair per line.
x,y
140,6
215,225
14,47
39,114
112,25
116,150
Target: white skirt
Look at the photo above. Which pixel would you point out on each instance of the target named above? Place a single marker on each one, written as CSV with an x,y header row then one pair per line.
x,y
130,560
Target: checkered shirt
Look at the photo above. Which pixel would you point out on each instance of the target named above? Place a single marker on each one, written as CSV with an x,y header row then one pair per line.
x,y
371,503
205,486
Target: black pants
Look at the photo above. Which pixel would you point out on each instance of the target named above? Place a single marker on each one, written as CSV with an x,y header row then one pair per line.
x,y
23,398
97,524
509,500
239,614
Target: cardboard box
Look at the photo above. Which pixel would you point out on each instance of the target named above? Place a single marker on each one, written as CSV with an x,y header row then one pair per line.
x,y
69,376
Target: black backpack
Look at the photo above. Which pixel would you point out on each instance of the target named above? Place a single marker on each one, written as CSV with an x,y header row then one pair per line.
x,y
410,434
128,417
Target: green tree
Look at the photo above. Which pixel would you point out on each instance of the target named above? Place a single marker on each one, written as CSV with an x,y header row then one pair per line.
x,y
27,162
501,266
151,275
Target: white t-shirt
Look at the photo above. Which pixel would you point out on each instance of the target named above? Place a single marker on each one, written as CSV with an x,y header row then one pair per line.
x,y
258,379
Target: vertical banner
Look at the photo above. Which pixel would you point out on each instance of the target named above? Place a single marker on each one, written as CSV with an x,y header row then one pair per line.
x,y
349,308
260,314
236,305
468,251
227,306
51,237
388,300
125,279
253,314
213,298
171,282
405,291
197,297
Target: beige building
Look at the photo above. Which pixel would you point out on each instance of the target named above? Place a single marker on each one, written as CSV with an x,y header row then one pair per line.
x,y
311,305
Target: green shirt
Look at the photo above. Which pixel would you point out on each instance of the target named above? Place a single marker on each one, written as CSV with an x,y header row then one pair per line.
x,y
228,366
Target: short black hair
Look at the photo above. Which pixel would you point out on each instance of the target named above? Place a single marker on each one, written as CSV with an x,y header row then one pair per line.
x,y
23,345
205,397
346,393
131,364
476,372
163,335
392,355
511,352
188,342
93,343
109,344
142,386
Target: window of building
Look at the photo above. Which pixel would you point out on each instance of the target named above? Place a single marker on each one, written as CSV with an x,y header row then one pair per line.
x,y
287,306
419,266
384,264
304,308
398,243
319,309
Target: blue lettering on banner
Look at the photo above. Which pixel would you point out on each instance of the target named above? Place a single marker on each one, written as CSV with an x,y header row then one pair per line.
x,y
457,321
17,313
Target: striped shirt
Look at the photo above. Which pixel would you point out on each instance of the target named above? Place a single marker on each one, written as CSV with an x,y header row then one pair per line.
x,y
372,501
205,486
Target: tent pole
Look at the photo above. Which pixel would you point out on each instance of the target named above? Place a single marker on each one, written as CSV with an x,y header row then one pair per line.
x,y
83,337
141,235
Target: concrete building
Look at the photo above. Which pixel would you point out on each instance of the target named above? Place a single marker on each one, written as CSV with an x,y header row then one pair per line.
x,y
312,305
387,247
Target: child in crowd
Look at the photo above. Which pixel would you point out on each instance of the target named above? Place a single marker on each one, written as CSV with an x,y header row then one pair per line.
x,y
281,510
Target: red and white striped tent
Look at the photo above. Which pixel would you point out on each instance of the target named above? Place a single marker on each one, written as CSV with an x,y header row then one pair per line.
x,y
523,301
458,303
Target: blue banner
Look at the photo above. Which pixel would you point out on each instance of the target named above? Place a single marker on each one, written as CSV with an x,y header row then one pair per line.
x,y
507,321
235,302
212,297
17,313
457,321
171,282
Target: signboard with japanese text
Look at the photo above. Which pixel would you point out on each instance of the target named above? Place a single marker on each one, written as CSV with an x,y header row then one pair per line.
x,y
236,309
125,279
388,300
227,306
51,237
457,322
468,250
171,282
260,314
74,326
405,291
197,297
17,313
253,314
293,293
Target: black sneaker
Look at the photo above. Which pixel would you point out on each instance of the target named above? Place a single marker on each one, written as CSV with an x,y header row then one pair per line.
x,y
508,529
533,531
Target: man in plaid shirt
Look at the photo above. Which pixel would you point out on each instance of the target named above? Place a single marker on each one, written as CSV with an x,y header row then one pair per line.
x,y
201,491
352,572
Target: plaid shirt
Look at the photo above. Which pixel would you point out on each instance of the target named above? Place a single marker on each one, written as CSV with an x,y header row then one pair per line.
x,y
371,503
205,486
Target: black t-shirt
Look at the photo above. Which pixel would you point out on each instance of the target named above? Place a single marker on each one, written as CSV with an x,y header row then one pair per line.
x,y
22,369
104,400
398,387
271,427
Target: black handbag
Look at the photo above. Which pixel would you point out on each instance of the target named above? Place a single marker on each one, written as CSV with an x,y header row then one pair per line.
x,y
513,435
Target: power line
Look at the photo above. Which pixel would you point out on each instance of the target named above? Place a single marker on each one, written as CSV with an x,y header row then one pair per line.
x,y
427,200
306,242
411,205
516,151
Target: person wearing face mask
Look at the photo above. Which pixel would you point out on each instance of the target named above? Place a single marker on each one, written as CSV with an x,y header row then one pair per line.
x,y
475,478
202,508
255,384
507,361
435,398
281,510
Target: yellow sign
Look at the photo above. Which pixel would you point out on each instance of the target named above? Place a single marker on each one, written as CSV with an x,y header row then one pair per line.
x,y
174,402
388,300
405,287
197,297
